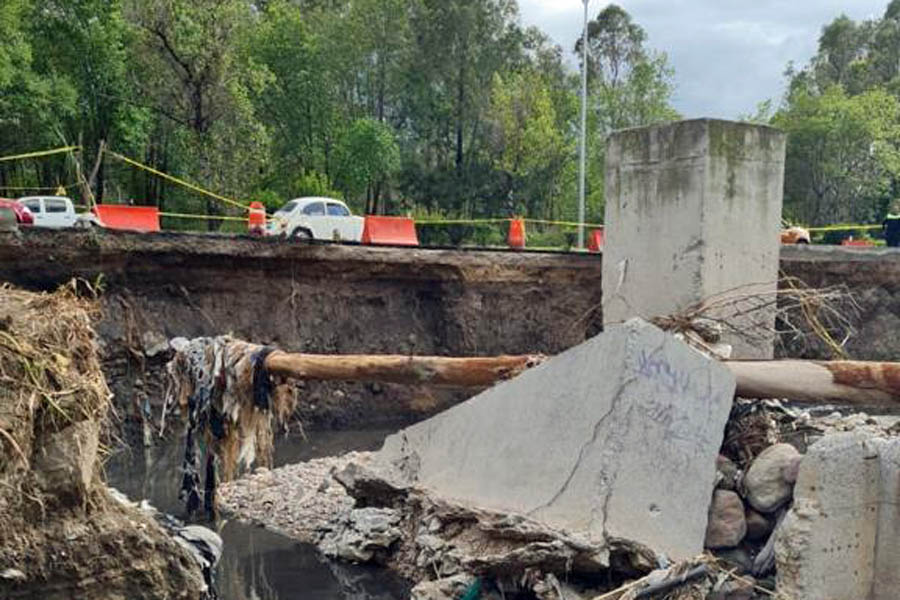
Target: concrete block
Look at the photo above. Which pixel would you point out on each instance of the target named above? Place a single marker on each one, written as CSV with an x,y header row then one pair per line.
x,y
693,209
614,438
839,539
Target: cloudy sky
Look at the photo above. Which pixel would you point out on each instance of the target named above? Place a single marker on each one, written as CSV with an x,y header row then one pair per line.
x,y
728,55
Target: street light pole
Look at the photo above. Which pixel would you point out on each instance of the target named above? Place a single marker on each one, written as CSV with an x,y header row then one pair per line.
x,y
582,145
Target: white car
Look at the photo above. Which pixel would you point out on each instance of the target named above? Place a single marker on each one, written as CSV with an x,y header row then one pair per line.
x,y
316,218
55,212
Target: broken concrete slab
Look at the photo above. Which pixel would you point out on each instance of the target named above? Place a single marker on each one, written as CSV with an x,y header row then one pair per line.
x,y
615,439
839,539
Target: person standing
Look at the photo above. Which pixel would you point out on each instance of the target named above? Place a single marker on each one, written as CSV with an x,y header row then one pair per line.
x,y
891,226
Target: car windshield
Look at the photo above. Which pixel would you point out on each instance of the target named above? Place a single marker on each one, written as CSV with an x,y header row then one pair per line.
x,y
286,208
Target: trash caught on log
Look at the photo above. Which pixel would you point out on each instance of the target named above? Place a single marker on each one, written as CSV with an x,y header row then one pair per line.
x,y
232,393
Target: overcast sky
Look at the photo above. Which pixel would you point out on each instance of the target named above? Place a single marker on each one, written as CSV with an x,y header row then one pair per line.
x,y
728,55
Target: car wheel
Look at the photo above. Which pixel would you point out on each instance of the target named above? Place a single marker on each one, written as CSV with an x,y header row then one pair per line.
x,y
301,234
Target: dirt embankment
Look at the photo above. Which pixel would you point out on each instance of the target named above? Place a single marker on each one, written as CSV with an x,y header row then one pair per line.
x,y
312,298
62,535
872,277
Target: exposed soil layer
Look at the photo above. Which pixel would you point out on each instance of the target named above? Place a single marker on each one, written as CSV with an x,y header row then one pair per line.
x,y
872,277
343,299
314,298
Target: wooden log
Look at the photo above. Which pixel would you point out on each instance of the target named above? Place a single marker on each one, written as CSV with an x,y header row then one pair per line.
x,y
432,370
845,382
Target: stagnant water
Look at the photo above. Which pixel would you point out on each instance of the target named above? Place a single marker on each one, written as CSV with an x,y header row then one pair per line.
x,y
258,564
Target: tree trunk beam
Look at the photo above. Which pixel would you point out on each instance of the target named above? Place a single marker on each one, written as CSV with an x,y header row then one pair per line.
x,y
846,382
389,368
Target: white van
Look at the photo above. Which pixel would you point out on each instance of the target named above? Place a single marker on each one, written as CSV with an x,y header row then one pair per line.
x,y
55,212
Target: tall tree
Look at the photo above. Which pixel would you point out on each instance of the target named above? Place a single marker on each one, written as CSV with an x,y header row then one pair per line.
x,y
197,76
630,84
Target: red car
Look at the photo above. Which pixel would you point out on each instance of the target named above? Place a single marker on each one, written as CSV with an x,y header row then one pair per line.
x,y
23,215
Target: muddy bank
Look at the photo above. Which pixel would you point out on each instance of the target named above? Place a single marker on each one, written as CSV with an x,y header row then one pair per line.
x,y
313,298
62,535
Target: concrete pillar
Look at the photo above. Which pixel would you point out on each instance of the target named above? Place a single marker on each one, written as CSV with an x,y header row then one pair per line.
x,y
693,209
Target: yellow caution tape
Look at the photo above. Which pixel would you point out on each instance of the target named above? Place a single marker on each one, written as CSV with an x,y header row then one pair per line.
x,y
460,221
186,184
40,153
842,227
562,223
203,217
502,220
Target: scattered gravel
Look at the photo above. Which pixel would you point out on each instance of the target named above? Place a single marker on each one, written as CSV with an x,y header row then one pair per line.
x,y
297,500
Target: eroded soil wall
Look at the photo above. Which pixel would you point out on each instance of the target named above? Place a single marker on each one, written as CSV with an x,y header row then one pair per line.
x,y
342,299
312,298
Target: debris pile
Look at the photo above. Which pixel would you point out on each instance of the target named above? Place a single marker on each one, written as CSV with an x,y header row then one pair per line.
x,y
61,534
231,402
432,504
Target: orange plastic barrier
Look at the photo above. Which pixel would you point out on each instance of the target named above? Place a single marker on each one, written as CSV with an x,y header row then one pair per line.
x,y
596,240
256,218
516,237
132,218
391,231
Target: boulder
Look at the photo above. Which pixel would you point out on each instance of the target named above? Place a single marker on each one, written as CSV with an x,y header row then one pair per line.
x,y
65,463
726,526
770,479
759,526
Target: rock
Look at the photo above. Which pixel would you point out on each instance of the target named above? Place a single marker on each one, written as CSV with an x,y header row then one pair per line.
x,y
361,533
448,588
12,574
758,526
66,461
726,526
735,589
614,438
728,473
372,482
154,343
769,481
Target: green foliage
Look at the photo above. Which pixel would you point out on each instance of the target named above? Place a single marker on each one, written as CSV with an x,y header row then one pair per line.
x,y
399,106
841,116
842,154
314,183
367,154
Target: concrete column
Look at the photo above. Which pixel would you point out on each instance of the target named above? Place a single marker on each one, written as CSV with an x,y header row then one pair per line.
x,y
693,209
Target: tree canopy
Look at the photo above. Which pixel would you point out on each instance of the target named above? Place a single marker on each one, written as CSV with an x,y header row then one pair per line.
x,y
445,106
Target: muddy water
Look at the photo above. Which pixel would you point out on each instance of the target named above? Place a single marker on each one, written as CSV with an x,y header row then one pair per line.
x,y
258,564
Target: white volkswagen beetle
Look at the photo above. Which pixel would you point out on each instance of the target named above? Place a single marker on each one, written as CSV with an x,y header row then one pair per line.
x,y
316,218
